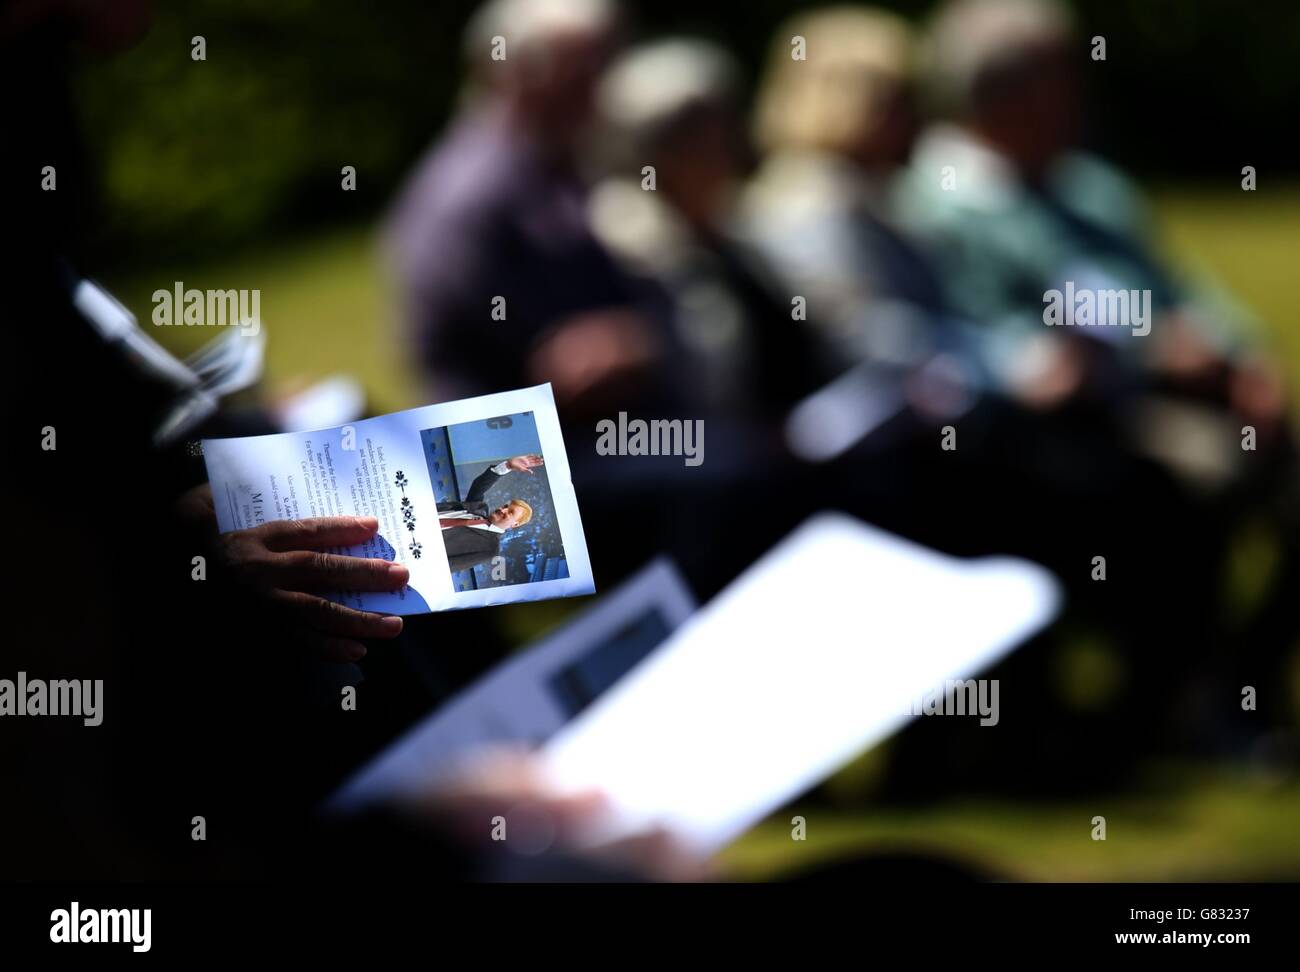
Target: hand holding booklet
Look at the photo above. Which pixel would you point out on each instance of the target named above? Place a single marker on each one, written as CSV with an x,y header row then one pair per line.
x,y
473,497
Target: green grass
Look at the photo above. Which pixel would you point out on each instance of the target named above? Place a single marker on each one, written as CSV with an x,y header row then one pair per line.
x,y
1209,825
1248,242
326,308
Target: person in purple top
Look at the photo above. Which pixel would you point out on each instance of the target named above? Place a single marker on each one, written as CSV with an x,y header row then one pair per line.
x,y
502,283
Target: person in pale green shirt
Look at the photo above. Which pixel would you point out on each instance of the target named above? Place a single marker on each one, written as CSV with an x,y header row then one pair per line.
x,y
1019,221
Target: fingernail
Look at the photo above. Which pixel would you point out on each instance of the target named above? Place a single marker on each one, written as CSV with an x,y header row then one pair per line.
x,y
368,522
356,653
398,574
393,624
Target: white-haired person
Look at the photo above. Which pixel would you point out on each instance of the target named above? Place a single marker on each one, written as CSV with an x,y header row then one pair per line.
x,y
1015,209
678,154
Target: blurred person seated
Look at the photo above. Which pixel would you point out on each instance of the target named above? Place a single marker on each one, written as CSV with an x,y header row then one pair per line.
x,y
675,153
675,134
502,283
834,131
1024,211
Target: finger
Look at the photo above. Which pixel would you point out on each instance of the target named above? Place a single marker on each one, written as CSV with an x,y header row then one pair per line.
x,y
331,618
318,532
308,570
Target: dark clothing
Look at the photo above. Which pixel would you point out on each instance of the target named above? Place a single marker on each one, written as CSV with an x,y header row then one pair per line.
x,y
470,546
488,216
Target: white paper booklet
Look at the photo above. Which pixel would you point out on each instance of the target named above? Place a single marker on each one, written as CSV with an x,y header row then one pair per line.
x,y
473,497
526,699
815,653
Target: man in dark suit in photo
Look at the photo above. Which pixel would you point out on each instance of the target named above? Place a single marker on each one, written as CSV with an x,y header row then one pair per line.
x,y
471,532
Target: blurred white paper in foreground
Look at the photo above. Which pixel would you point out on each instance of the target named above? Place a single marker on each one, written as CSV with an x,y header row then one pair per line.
x,y
812,655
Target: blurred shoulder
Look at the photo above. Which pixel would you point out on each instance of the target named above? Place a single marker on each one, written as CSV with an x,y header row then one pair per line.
x,y
1100,191
472,165
793,184
951,178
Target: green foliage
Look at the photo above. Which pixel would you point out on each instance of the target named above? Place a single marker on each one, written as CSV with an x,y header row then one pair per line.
x,y
198,155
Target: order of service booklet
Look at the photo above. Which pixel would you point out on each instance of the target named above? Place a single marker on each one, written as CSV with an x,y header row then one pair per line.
x,y
473,497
